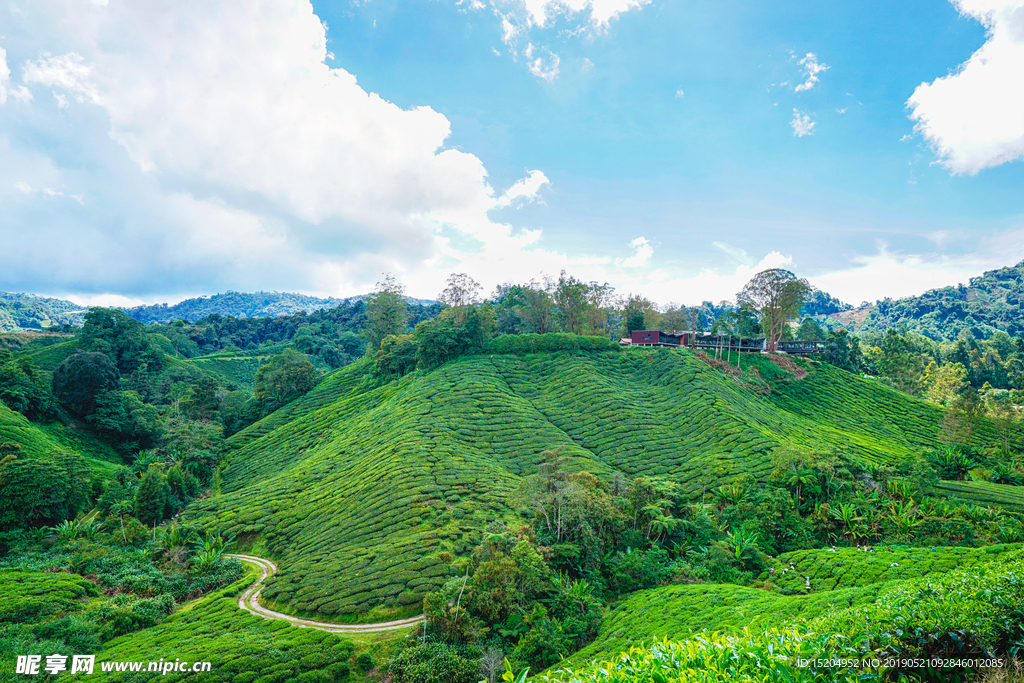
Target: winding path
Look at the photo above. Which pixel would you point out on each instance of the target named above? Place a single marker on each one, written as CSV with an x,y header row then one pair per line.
x,y
249,601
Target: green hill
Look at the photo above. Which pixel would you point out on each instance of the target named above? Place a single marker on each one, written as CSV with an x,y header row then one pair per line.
x,y
240,305
357,488
36,441
989,302
31,312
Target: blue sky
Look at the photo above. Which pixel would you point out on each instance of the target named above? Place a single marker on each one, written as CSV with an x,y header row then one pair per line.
x,y
669,148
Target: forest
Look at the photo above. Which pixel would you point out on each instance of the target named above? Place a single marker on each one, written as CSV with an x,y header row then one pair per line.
x,y
546,497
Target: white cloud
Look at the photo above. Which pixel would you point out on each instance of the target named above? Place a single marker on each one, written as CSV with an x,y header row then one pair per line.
x,y
23,186
642,253
270,167
68,72
802,124
529,17
680,94
600,12
587,65
890,275
526,188
20,93
543,62
811,68
974,117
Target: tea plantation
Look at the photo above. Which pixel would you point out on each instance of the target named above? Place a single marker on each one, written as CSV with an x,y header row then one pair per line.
x,y
962,613
364,491
844,579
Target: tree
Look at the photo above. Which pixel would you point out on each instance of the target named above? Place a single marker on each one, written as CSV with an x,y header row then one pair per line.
x,y
81,377
843,351
47,489
24,388
462,290
944,384
386,311
810,330
121,337
573,303
635,310
151,496
286,377
535,309
775,296
122,416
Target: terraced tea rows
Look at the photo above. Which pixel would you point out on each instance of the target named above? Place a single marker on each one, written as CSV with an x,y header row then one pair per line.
x,y
681,610
985,493
849,567
847,578
357,488
37,441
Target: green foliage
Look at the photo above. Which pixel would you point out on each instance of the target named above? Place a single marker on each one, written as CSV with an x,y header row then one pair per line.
x,y
455,332
520,344
42,490
435,663
124,418
151,497
286,377
986,304
26,311
361,487
26,389
843,351
386,312
81,378
397,356
27,596
122,338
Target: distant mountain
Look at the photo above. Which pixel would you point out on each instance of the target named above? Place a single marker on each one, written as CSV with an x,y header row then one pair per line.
x,y
31,312
987,304
241,305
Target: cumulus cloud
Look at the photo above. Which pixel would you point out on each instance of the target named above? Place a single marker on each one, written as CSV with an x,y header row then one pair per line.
x,y
802,124
642,253
254,158
812,67
526,189
974,117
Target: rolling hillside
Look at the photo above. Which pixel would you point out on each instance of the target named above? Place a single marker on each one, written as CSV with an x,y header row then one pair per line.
x,y
356,489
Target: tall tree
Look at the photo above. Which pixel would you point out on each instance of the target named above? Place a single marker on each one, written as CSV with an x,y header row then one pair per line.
x,y
775,296
386,311
461,290
572,298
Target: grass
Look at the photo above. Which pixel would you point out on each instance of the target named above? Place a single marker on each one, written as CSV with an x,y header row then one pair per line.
x,y
357,488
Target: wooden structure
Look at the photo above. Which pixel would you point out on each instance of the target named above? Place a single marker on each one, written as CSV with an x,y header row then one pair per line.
x,y
721,342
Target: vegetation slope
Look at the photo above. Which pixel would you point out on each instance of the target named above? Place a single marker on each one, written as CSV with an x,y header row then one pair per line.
x,y
360,490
